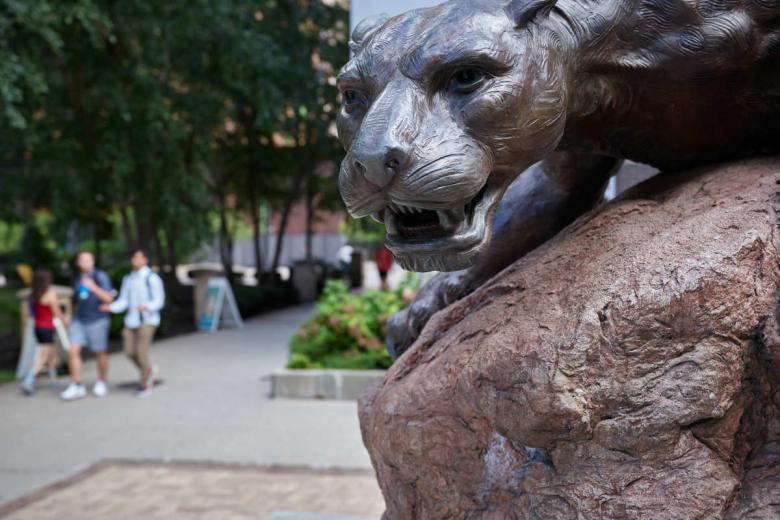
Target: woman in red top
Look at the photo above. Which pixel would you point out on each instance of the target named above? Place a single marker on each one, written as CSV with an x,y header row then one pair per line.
x,y
44,308
384,262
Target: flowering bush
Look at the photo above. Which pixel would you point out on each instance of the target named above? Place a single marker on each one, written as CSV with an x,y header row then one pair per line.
x,y
348,330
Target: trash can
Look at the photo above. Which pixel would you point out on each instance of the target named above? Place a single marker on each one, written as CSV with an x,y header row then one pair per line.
x,y
305,277
356,270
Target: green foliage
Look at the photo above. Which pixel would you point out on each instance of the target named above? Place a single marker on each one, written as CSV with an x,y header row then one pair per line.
x,y
348,330
156,110
9,311
7,376
366,232
10,236
32,32
34,249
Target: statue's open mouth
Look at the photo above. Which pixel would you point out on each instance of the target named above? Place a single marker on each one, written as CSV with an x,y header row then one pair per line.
x,y
438,239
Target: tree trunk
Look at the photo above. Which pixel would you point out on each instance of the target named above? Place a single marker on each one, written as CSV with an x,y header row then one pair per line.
x,y
142,231
285,218
254,203
309,211
158,249
256,236
98,249
127,229
225,241
280,234
170,245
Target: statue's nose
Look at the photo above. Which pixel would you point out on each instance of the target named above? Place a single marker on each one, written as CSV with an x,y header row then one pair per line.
x,y
382,167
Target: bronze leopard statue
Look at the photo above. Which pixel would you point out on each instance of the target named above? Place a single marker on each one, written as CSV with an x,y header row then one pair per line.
x,y
476,130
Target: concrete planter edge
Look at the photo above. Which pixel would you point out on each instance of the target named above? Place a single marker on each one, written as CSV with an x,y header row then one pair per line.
x,y
327,384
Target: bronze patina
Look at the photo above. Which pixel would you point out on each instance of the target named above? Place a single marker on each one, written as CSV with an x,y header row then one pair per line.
x,y
476,130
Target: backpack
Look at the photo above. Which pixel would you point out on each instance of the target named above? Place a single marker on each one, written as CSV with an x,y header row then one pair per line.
x,y
148,282
149,286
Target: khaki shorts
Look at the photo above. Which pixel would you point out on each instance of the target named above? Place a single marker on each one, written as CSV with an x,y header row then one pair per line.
x,y
93,335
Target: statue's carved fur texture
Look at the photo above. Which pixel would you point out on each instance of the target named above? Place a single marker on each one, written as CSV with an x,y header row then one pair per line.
x,y
445,107
445,102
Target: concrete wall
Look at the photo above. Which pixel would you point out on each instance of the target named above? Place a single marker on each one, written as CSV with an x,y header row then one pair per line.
x,y
324,247
364,8
629,176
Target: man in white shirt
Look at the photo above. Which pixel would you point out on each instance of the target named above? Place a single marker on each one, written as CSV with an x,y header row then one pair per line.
x,y
143,296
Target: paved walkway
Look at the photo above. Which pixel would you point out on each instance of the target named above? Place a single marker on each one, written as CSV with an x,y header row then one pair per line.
x,y
180,491
213,406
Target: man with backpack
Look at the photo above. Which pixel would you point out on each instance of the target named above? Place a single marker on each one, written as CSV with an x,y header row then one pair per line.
x,y
142,296
92,290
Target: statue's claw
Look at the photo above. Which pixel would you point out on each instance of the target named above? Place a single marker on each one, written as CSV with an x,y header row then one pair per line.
x,y
405,327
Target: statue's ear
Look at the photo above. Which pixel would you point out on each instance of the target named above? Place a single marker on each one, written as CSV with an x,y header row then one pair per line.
x,y
523,11
365,29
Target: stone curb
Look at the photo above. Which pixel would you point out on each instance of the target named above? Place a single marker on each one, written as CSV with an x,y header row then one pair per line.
x,y
346,385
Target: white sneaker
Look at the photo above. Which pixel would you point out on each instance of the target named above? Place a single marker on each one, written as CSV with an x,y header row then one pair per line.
x,y
28,384
73,392
100,389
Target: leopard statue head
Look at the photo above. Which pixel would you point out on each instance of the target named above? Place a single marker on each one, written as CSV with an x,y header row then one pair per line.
x,y
442,108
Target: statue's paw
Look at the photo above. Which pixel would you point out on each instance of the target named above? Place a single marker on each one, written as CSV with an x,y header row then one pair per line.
x,y
405,327
399,337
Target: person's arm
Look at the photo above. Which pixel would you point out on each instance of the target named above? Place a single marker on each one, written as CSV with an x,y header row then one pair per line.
x,y
50,299
157,290
121,303
104,294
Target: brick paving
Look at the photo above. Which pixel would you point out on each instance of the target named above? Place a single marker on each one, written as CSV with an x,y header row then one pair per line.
x,y
213,407
184,491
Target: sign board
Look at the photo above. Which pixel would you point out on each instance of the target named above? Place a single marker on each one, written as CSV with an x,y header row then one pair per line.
x,y
219,305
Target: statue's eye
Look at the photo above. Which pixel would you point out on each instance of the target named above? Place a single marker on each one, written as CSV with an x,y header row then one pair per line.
x,y
351,97
352,100
465,81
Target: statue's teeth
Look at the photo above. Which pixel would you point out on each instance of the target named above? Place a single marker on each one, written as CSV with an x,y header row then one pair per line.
x,y
390,224
451,219
406,210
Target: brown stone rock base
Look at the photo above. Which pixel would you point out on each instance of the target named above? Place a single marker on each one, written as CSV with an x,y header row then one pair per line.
x,y
193,491
627,369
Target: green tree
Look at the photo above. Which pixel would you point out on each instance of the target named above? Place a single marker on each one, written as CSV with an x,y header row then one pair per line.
x,y
143,117
315,34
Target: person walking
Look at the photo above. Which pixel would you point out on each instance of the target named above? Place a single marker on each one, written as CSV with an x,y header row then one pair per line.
x,y
142,297
384,262
44,309
92,288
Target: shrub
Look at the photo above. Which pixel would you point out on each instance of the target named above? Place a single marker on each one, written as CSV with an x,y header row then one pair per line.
x,y
7,376
9,311
348,330
254,300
